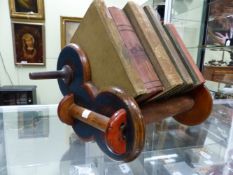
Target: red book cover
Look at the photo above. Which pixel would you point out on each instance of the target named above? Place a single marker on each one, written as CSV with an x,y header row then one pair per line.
x,y
136,52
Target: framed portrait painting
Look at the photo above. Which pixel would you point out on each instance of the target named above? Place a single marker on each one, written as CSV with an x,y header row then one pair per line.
x,y
33,9
29,45
68,27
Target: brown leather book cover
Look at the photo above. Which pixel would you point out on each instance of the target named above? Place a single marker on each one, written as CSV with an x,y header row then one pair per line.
x,y
136,52
159,58
110,65
168,45
184,53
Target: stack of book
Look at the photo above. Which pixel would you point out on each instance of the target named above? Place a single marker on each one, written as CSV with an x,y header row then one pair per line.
x,y
130,48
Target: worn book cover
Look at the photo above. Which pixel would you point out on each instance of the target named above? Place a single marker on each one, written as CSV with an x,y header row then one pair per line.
x,y
168,45
136,52
159,58
184,53
109,59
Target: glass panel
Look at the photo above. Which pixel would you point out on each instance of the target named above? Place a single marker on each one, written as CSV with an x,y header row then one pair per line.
x,y
187,17
34,141
218,59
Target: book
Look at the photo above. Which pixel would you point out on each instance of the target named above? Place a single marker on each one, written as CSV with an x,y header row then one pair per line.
x,y
153,16
109,59
136,52
184,53
159,58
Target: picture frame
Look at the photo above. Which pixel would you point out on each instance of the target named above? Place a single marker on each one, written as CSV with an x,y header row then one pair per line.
x,y
29,43
68,27
29,9
33,124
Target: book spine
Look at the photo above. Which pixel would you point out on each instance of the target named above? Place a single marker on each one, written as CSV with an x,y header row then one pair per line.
x,y
159,58
136,52
180,46
98,36
176,59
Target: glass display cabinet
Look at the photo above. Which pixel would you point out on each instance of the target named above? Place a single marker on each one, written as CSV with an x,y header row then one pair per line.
x,y
218,58
187,16
34,141
206,28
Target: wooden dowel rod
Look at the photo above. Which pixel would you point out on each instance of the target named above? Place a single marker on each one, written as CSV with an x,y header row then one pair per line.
x,y
47,75
154,112
113,127
92,118
68,110
66,73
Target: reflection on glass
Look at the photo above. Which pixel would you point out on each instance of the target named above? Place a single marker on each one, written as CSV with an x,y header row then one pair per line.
x,y
169,147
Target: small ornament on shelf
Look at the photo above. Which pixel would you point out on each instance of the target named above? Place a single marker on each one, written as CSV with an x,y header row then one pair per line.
x,y
214,62
231,57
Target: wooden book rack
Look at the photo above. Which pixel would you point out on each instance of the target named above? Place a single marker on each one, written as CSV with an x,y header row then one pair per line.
x,y
111,117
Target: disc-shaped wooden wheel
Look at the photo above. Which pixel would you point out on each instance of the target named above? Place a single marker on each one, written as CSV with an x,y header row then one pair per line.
x,y
201,109
75,58
109,101
83,91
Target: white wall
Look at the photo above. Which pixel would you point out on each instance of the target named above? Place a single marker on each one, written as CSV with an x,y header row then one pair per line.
x,y
47,90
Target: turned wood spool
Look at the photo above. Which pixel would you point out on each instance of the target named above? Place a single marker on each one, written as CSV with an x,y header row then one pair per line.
x,y
74,79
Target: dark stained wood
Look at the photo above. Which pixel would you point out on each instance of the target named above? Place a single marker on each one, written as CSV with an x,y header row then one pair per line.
x,y
84,61
84,131
68,111
73,70
64,115
112,127
222,74
157,111
191,109
112,99
91,90
75,58
201,109
114,103
66,74
111,117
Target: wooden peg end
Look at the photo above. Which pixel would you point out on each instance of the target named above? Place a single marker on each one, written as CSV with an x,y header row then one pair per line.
x,y
115,133
63,109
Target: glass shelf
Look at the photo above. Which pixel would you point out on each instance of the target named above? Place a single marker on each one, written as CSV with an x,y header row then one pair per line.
x,y
212,47
218,48
33,141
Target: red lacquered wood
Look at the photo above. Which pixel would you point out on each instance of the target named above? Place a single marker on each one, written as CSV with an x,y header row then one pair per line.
x,y
114,134
201,109
135,124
